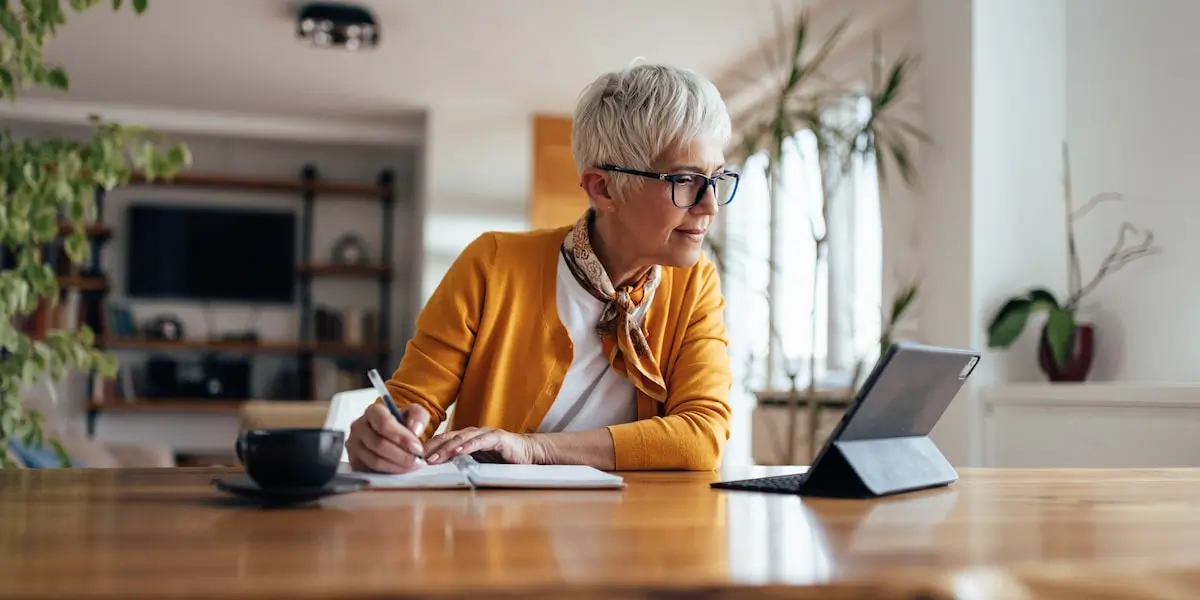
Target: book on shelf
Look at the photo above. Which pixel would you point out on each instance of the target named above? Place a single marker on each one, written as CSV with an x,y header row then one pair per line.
x,y
120,322
352,326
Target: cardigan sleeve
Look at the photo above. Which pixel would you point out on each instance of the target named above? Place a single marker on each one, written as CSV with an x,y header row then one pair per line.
x,y
431,371
693,433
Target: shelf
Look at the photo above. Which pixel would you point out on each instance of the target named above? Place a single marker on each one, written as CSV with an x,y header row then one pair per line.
x,y
93,229
171,405
87,284
202,180
180,405
261,347
307,186
314,269
343,349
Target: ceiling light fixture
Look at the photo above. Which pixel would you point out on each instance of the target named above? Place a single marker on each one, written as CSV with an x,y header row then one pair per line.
x,y
331,25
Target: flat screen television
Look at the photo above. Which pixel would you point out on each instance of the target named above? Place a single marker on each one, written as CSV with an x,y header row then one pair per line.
x,y
210,254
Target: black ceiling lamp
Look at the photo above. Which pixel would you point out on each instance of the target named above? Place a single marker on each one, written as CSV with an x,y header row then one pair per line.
x,y
333,25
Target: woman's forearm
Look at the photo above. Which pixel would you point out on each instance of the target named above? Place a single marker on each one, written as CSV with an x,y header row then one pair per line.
x,y
593,448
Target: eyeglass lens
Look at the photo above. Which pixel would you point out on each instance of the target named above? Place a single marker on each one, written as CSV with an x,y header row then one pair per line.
x,y
688,192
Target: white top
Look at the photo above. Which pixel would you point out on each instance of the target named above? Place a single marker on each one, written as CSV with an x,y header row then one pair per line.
x,y
592,394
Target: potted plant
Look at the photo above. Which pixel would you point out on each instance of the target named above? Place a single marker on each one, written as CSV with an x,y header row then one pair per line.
x,y
1067,345
805,98
47,196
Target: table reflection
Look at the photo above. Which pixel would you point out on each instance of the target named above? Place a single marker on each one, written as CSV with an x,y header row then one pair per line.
x,y
534,536
67,534
776,538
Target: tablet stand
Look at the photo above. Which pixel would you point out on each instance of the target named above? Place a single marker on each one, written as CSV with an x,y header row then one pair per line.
x,y
878,467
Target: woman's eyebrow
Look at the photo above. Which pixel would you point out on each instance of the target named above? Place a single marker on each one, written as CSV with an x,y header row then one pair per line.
x,y
695,169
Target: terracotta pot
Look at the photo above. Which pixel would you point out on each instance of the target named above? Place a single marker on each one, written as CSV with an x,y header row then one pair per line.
x,y
1080,361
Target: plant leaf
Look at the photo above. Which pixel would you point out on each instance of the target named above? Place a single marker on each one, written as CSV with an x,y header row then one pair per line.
x,y
1060,333
1042,299
1008,323
901,302
57,78
64,459
43,180
10,24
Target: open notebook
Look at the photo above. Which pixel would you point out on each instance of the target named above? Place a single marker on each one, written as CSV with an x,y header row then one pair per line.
x,y
466,472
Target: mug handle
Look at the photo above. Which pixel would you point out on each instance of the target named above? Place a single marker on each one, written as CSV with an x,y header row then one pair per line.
x,y
237,448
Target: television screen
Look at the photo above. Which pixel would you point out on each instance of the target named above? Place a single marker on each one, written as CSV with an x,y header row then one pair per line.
x,y
210,254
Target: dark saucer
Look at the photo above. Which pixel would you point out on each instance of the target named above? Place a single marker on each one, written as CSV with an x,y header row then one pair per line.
x,y
244,487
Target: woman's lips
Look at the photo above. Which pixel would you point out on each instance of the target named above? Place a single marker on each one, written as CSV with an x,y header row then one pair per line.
x,y
695,235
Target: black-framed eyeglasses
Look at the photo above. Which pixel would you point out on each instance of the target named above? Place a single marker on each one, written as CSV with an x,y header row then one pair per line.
x,y
687,189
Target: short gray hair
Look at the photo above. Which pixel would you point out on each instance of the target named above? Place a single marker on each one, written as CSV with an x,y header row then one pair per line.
x,y
629,118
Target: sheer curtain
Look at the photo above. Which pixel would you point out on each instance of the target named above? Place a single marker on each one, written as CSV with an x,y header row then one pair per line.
x,y
846,314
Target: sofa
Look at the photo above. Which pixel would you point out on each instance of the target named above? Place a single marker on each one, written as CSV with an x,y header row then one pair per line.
x,y
83,451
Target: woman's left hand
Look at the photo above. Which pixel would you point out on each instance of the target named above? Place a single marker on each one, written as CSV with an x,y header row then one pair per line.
x,y
510,447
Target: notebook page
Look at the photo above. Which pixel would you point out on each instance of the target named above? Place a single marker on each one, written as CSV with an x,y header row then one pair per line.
x,y
445,475
542,476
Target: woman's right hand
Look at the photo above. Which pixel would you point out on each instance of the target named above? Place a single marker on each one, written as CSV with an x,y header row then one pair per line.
x,y
378,442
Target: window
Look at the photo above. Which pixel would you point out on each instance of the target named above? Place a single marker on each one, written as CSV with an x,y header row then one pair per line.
x,y
840,324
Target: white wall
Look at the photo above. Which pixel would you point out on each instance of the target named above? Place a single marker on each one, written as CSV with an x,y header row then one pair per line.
x,y
1115,79
1018,125
992,216
478,178
1131,81
944,226
1130,77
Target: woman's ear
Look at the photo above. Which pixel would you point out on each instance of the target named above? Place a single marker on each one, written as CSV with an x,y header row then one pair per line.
x,y
598,186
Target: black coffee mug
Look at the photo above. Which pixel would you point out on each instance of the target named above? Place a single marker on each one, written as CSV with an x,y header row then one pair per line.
x,y
291,458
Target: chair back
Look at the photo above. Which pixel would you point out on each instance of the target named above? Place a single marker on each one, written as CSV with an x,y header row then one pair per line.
x,y
347,406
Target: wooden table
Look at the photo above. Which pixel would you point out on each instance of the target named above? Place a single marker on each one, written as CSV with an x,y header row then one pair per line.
x,y
996,533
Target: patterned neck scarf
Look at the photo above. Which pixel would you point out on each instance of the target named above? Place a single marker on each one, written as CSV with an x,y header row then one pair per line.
x,y
620,325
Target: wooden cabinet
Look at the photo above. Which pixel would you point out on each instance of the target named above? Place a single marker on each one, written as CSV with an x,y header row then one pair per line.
x,y
557,198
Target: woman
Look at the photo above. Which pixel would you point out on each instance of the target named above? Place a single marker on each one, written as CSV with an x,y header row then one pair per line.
x,y
601,343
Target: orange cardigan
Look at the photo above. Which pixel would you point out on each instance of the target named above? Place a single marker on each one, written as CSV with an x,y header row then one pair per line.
x,y
490,339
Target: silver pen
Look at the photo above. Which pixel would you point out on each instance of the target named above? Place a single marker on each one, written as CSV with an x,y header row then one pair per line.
x,y
382,390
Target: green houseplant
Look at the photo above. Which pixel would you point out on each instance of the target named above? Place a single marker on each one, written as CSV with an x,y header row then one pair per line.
x,y
1065,347
47,189
804,97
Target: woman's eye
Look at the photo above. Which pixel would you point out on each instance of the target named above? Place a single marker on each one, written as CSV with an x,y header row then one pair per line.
x,y
685,179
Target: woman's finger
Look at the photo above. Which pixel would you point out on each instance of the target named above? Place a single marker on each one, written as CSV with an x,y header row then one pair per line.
x,y
416,418
387,427
454,449
438,449
372,460
489,440
385,448
434,450
439,440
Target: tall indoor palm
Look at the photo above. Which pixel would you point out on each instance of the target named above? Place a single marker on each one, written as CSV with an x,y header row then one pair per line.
x,y
803,98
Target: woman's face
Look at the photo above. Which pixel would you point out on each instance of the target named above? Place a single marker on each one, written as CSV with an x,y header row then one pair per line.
x,y
650,226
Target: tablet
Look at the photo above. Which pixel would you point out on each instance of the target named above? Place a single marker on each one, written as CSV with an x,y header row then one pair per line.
x,y
881,446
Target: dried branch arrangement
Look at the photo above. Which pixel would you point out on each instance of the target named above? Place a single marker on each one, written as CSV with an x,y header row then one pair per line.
x,y
1132,244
